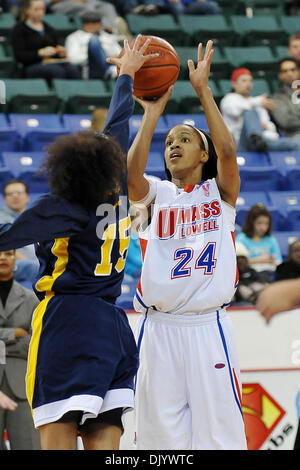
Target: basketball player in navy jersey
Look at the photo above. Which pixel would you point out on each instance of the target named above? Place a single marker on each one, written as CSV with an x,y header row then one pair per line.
x,y
82,357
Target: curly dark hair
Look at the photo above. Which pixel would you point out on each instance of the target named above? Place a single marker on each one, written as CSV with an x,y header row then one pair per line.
x,y
85,167
254,212
210,167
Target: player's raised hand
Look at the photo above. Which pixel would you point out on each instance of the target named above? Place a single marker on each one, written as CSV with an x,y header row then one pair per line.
x,y
133,56
155,107
199,75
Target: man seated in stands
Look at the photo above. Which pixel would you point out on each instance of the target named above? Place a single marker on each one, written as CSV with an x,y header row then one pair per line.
x,y
286,112
16,197
90,46
248,119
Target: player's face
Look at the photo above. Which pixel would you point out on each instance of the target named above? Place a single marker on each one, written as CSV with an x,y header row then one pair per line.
x,y
261,225
183,152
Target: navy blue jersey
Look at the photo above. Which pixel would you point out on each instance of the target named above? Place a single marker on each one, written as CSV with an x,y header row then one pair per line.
x,y
80,251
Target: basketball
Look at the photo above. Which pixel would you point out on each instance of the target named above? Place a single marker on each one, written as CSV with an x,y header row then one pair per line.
x,y
154,78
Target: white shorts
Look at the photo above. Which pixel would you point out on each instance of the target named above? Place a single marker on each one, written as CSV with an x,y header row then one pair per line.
x,y
188,392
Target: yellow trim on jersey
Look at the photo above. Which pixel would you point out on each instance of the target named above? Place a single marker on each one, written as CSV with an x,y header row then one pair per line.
x,y
60,250
37,324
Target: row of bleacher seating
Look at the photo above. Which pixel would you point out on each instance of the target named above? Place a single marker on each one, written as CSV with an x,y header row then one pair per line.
x,y
226,29
83,96
277,173
261,60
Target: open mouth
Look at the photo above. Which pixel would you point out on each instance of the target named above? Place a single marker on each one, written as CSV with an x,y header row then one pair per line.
x,y
175,155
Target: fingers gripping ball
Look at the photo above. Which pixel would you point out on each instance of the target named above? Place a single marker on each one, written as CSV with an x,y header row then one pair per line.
x,y
154,78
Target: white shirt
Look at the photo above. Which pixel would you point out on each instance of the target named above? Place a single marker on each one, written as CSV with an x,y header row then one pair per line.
x,y
77,46
232,107
189,259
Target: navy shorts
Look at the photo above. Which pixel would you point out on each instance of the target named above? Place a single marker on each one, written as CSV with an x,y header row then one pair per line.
x,y
82,356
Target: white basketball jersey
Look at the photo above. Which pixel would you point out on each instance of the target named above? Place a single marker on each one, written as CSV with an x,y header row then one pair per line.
x,y
188,251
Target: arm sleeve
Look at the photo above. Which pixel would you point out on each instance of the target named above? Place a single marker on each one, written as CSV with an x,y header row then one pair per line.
x,y
51,217
120,110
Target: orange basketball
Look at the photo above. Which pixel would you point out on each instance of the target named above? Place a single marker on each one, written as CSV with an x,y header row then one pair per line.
x,y
156,75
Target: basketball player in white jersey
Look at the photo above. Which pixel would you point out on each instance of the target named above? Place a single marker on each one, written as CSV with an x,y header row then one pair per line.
x,y
188,391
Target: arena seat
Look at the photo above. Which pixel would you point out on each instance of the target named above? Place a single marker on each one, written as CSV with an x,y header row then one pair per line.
x,y
155,165
29,96
26,166
81,96
258,30
256,178
290,24
201,28
158,139
247,199
76,122
259,59
61,23
253,159
37,130
266,7
285,239
198,120
162,25
7,22
10,138
260,86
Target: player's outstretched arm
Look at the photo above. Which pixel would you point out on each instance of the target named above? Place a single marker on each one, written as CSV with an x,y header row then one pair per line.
x,y
138,185
122,103
278,297
228,174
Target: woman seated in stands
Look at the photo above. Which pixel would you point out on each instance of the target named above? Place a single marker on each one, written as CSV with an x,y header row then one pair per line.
x,y
36,45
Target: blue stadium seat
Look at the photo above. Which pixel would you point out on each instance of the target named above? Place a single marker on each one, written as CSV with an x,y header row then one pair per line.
x,y
76,122
155,165
285,239
197,120
10,138
288,163
125,300
255,178
37,130
287,202
26,166
158,139
253,159
292,179
246,200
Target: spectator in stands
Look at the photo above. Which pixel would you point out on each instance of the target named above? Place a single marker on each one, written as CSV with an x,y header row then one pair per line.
x,y
286,111
6,403
251,282
256,236
16,309
89,47
248,119
16,196
290,268
35,45
294,46
111,21
98,119
176,7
